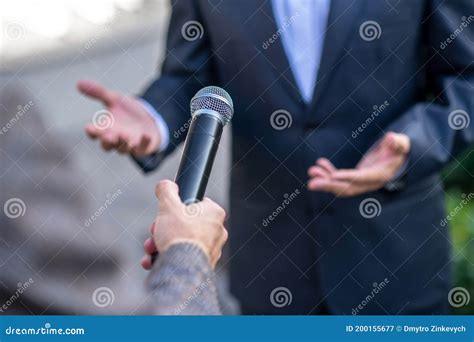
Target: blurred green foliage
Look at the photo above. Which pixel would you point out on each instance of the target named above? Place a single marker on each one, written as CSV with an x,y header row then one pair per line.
x,y
459,184
462,234
460,173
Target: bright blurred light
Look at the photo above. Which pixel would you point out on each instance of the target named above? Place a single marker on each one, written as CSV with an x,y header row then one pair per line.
x,y
54,18
128,5
29,25
50,19
97,12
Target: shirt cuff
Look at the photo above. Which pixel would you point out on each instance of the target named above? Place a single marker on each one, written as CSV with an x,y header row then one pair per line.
x,y
160,123
397,182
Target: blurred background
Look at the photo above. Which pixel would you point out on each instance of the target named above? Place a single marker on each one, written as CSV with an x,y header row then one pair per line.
x,y
43,53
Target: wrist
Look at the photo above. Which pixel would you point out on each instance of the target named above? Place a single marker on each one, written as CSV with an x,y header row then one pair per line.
x,y
162,129
187,241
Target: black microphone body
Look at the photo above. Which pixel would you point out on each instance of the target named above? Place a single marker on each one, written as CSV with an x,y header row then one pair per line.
x,y
211,110
199,152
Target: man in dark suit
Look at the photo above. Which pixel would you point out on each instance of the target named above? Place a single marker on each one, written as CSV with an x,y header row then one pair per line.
x,y
379,93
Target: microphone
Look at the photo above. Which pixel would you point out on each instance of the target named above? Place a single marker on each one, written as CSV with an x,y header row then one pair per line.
x,y
211,110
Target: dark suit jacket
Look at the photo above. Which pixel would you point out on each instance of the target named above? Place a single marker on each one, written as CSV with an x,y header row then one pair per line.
x,y
321,248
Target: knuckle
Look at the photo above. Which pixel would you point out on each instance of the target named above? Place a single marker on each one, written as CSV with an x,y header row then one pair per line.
x,y
162,186
225,234
220,212
158,189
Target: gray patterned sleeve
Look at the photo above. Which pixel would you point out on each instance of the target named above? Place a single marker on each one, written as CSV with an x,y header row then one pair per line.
x,y
182,282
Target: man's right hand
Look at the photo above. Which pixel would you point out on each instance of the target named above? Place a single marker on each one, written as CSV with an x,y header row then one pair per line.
x,y
129,126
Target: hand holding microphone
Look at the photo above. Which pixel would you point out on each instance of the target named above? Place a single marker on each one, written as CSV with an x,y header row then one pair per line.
x,y
201,224
211,110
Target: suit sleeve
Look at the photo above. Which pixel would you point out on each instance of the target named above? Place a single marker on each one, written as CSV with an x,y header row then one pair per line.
x,y
443,127
185,69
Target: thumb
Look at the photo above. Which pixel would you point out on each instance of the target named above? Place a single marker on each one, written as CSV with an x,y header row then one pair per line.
x,y
398,142
167,193
96,91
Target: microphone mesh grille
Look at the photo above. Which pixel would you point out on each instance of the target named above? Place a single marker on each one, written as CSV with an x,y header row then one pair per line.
x,y
216,99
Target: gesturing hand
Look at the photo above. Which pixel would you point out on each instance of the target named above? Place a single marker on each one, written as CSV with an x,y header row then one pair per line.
x,y
200,223
128,127
374,170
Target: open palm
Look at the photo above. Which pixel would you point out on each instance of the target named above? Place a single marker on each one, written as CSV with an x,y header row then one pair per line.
x,y
125,124
376,168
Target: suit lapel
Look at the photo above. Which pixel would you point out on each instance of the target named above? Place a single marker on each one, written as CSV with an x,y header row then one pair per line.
x,y
269,42
343,16
260,20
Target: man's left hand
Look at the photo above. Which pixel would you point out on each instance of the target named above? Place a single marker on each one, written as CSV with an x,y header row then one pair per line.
x,y
380,165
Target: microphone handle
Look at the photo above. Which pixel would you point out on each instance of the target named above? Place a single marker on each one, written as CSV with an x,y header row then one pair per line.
x,y
200,149
199,152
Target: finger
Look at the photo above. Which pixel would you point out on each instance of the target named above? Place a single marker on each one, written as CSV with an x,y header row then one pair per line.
x,y
209,202
338,188
122,145
359,176
109,140
142,145
217,258
317,171
152,228
96,91
211,208
370,158
225,235
92,131
149,246
397,142
167,192
326,165
374,154
350,175
146,262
